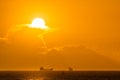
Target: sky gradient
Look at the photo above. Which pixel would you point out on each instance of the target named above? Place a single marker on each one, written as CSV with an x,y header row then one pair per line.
x,y
91,23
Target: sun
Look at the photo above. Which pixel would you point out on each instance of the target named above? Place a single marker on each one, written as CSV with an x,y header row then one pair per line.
x,y
38,23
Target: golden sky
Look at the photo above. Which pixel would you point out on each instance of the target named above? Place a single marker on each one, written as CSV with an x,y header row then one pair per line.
x,y
94,24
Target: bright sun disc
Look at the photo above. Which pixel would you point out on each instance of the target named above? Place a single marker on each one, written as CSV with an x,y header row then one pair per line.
x,y
38,23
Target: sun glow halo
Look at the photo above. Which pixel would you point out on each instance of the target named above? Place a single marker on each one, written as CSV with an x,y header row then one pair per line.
x,y
38,23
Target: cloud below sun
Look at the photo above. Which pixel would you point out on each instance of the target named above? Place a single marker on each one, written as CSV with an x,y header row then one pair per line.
x,y
28,55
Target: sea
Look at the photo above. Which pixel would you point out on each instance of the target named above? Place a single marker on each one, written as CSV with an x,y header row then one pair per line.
x,y
59,75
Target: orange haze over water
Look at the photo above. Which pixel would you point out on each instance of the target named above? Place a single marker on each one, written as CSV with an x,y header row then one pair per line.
x,y
89,23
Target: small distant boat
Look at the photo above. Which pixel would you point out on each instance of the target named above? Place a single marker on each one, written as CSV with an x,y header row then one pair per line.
x,y
43,69
70,69
51,69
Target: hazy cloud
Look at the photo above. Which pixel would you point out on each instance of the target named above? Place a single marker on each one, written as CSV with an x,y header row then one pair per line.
x,y
78,57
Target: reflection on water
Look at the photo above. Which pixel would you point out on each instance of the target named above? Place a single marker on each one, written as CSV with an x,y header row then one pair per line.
x,y
34,79
40,78
60,75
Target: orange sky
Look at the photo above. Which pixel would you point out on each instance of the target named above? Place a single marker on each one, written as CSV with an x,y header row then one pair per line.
x,y
92,23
